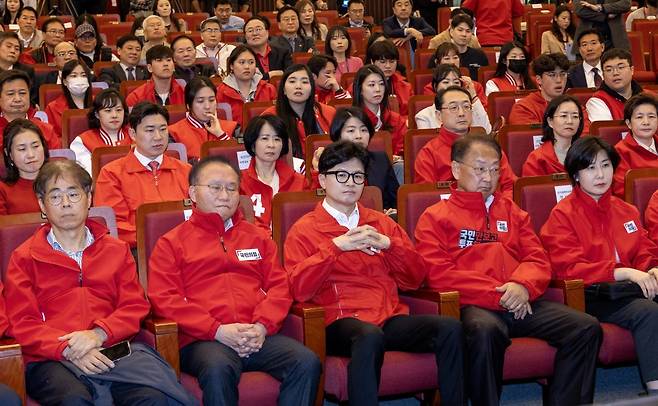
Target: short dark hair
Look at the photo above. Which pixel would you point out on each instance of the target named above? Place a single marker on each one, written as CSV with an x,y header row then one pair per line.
x,y
24,9
12,75
258,17
549,62
237,51
462,18
591,31
180,38
127,38
159,52
438,99
11,35
283,10
462,145
211,20
344,114
107,98
193,177
382,50
10,132
49,22
458,10
193,86
349,3
339,152
252,132
617,53
144,109
638,100
318,62
59,168
442,71
223,2
582,154
549,135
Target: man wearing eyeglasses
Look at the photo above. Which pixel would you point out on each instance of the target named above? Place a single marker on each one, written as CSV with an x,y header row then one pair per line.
x,y
271,59
213,47
144,175
219,277
352,260
482,244
53,33
618,86
454,109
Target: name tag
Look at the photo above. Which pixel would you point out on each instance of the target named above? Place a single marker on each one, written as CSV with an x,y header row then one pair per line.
x,y
248,255
501,226
630,227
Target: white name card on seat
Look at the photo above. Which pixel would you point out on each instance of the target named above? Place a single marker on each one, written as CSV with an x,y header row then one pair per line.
x,y
445,196
562,191
243,159
536,141
68,25
536,6
624,134
187,213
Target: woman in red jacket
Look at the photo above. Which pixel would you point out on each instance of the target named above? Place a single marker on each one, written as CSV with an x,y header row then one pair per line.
x,y
638,149
107,117
244,82
25,153
385,56
511,71
76,85
266,140
563,123
594,236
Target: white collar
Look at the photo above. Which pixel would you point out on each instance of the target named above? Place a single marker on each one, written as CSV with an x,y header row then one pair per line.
x,y
145,161
489,201
350,222
405,25
588,68
651,148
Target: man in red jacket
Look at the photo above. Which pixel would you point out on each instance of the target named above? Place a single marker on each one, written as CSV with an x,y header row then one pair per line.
x,y
7,395
162,88
352,260
481,244
219,277
72,290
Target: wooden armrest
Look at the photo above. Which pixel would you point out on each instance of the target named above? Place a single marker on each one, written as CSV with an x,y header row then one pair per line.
x,y
12,369
314,337
573,291
166,340
448,301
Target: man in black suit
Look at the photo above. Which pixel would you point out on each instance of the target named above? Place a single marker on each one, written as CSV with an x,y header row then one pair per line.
x,y
356,10
588,73
271,59
10,50
402,27
185,60
291,37
129,49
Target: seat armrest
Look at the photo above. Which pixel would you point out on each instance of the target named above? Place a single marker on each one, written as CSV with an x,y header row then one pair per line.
x,y
447,302
314,337
573,292
166,340
12,370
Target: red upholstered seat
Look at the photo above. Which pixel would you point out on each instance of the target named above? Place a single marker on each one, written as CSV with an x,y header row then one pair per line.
x,y
582,94
419,78
501,103
74,123
254,109
176,112
610,130
536,195
640,184
229,149
617,345
518,142
416,104
414,141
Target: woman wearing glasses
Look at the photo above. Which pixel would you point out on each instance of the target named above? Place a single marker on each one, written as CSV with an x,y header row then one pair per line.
x,y
561,126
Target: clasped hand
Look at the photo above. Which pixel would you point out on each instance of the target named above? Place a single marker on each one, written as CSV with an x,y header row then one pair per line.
x,y
363,238
243,338
83,351
515,299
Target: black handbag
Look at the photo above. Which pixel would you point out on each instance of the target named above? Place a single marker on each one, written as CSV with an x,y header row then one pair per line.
x,y
614,290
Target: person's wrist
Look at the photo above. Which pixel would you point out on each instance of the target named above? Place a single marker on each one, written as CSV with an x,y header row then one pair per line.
x,y
101,334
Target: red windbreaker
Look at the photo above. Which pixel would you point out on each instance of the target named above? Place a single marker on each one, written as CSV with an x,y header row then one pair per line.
x,y
146,92
53,139
403,91
542,161
192,133
18,198
633,156
393,122
202,276
265,91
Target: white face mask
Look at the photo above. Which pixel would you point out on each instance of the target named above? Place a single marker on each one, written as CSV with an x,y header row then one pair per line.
x,y
77,86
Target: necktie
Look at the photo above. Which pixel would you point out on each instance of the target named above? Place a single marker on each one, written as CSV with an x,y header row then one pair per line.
x,y
131,75
154,170
597,78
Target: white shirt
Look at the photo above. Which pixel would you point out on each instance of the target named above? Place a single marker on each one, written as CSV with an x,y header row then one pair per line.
x,y
145,161
589,75
350,222
426,118
274,183
125,69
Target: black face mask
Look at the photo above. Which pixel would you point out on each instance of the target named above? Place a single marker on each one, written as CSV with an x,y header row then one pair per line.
x,y
517,65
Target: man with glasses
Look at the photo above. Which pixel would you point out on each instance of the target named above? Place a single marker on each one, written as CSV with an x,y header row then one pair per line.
x,y
454,109
480,243
219,277
618,86
30,37
290,37
54,31
589,72
144,175
352,260
356,10
213,47
185,60
271,59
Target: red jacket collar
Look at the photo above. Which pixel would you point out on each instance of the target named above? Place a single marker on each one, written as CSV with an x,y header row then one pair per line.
x,y
603,204
448,137
285,172
212,222
468,200
133,165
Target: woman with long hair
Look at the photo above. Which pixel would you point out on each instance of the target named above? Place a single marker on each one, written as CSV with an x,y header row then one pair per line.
x,y
385,55
244,82
562,125
11,11
24,151
560,38
511,71
339,45
76,86
163,9
308,23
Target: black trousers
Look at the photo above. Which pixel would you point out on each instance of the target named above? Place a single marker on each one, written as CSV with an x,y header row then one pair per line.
x,y
366,343
51,383
218,367
641,317
576,335
8,397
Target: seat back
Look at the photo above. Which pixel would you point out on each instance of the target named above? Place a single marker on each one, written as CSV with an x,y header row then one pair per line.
x,y
581,93
612,131
177,150
501,103
255,109
422,57
357,38
127,86
232,150
645,27
414,140
74,123
639,186
537,195
114,30
413,199
638,45
49,92
288,207
419,78
195,35
100,65
176,112
416,104
347,79
518,141
106,18
62,153
485,73
102,156
193,20
301,57
233,36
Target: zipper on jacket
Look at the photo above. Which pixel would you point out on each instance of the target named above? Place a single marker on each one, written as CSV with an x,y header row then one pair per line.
x,y
487,217
221,241
80,277
340,307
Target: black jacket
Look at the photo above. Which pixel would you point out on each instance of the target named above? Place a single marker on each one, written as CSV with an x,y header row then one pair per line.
x,y
381,174
279,59
199,69
114,75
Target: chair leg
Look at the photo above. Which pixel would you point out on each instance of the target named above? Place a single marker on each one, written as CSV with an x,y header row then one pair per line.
x,y
431,398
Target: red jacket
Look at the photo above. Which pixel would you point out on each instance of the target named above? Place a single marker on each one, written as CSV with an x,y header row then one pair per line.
x,y
324,96
651,217
351,284
615,104
530,110
581,236
403,91
394,123
146,92
542,161
261,194
4,322
55,109
93,139
633,156
49,295
200,277
18,198
324,115
125,184
54,140
506,83
433,163
265,91
193,134
495,19
479,92
474,251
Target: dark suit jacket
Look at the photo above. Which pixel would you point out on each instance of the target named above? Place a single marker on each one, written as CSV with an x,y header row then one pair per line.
x,y
576,76
103,54
279,59
199,69
381,174
392,28
302,44
34,89
114,75
366,25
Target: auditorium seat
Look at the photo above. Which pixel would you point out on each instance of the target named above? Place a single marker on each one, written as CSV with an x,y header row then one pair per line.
x,y
74,123
639,186
193,20
416,104
501,103
255,109
232,150
419,78
518,141
612,131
